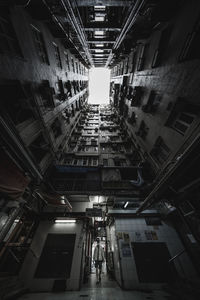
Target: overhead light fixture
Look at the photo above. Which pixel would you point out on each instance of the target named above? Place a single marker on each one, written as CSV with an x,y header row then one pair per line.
x,y
98,55
126,204
99,7
99,18
99,45
99,32
65,221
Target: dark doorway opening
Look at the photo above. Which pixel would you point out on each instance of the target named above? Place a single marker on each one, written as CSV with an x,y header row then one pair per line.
x,y
152,262
56,258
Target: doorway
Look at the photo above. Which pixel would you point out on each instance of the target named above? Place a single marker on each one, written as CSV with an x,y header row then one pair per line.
x,y
56,258
152,262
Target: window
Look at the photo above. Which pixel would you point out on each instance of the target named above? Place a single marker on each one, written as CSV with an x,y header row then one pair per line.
x,y
120,162
60,88
105,162
95,161
143,130
183,122
191,47
182,116
152,103
99,18
67,60
99,33
85,162
142,56
160,151
127,65
73,69
76,67
163,44
39,148
46,93
99,8
75,162
132,120
68,161
136,96
56,128
40,45
8,39
57,56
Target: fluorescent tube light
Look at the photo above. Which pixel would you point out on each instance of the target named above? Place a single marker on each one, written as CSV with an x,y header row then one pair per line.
x,y
65,221
126,204
16,220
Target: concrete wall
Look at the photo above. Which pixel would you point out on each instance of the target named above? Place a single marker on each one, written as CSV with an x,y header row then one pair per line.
x,y
113,246
29,68
31,260
171,79
165,234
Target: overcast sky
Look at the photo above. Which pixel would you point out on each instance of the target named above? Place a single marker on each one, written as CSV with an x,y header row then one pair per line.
x,y
99,85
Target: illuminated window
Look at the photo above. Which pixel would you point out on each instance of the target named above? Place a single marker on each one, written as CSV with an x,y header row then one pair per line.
x,y
99,55
99,18
99,32
99,7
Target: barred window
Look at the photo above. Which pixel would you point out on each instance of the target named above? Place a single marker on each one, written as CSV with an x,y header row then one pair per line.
x,y
160,151
67,60
57,56
40,45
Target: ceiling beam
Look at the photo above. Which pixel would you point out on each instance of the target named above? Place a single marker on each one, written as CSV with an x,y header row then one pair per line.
x,y
101,26
104,2
101,48
100,41
105,51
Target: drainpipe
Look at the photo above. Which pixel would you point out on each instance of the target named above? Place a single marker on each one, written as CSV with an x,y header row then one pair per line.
x,y
139,181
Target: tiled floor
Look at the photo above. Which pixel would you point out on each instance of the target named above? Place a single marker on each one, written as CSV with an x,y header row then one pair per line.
x,y
108,289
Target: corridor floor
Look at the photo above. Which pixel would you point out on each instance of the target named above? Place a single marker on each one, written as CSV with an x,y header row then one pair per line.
x,y
108,289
